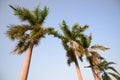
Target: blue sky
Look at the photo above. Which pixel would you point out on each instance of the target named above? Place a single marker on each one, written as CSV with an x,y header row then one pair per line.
x,y
49,60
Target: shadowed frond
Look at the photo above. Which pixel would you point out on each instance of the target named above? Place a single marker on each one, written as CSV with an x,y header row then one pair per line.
x,y
71,56
117,77
105,76
37,33
17,31
21,47
113,69
99,47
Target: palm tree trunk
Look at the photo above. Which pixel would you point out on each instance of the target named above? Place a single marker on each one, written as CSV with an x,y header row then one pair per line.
x,y
78,69
96,74
26,65
76,62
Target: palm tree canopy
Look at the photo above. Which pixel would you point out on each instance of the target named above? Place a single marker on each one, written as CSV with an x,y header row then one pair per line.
x,y
27,33
104,66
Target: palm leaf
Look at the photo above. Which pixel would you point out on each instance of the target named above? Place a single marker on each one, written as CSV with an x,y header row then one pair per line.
x,y
52,31
83,28
66,30
117,77
17,31
107,77
40,14
113,69
21,47
24,14
99,47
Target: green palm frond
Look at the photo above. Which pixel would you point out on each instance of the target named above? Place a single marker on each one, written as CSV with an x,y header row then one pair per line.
x,y
40,14
113,69
65,44
75,27
17,31
37,16
37,33
66,30
105,76
109,63
83,28
85,41
52,31
70,55
24,14
99,47
21,47
117,77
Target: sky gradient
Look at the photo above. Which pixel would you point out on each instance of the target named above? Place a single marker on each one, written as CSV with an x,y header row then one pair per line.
x,y
49,60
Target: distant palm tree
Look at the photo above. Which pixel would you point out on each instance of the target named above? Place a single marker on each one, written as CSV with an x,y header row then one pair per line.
x,y
69,38
28,35
106,71
92,56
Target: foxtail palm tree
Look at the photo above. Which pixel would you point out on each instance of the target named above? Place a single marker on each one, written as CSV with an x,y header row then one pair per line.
x,y
69,38
92,56
108,71
28,35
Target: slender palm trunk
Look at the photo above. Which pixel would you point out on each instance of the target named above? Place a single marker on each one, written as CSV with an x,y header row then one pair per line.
x,y
96,73
76,62
26,65
78,69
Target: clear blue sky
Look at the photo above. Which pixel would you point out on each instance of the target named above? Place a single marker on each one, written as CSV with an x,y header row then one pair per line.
x,y
49,59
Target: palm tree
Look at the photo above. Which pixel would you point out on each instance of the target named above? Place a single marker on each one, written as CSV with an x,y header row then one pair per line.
x,y
69,38
106,70
92,56
28,35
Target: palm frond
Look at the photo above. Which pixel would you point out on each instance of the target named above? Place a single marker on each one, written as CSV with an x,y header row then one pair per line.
x,y
89,39
83,28
24,14
37,33
17,31
99,47
40,14
66,30
105,76
113,69
21,47
52,31
117,77
71,56
96,54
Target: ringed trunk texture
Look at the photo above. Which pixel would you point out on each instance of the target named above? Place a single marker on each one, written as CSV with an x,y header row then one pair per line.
x,y
78,70
26,65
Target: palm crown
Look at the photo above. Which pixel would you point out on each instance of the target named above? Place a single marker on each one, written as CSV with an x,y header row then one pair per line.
x,y
36,31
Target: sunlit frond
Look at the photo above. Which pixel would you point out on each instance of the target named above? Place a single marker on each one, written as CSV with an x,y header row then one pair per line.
x,y
40,14
17,31
24,14
52,31
65,30
99,47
